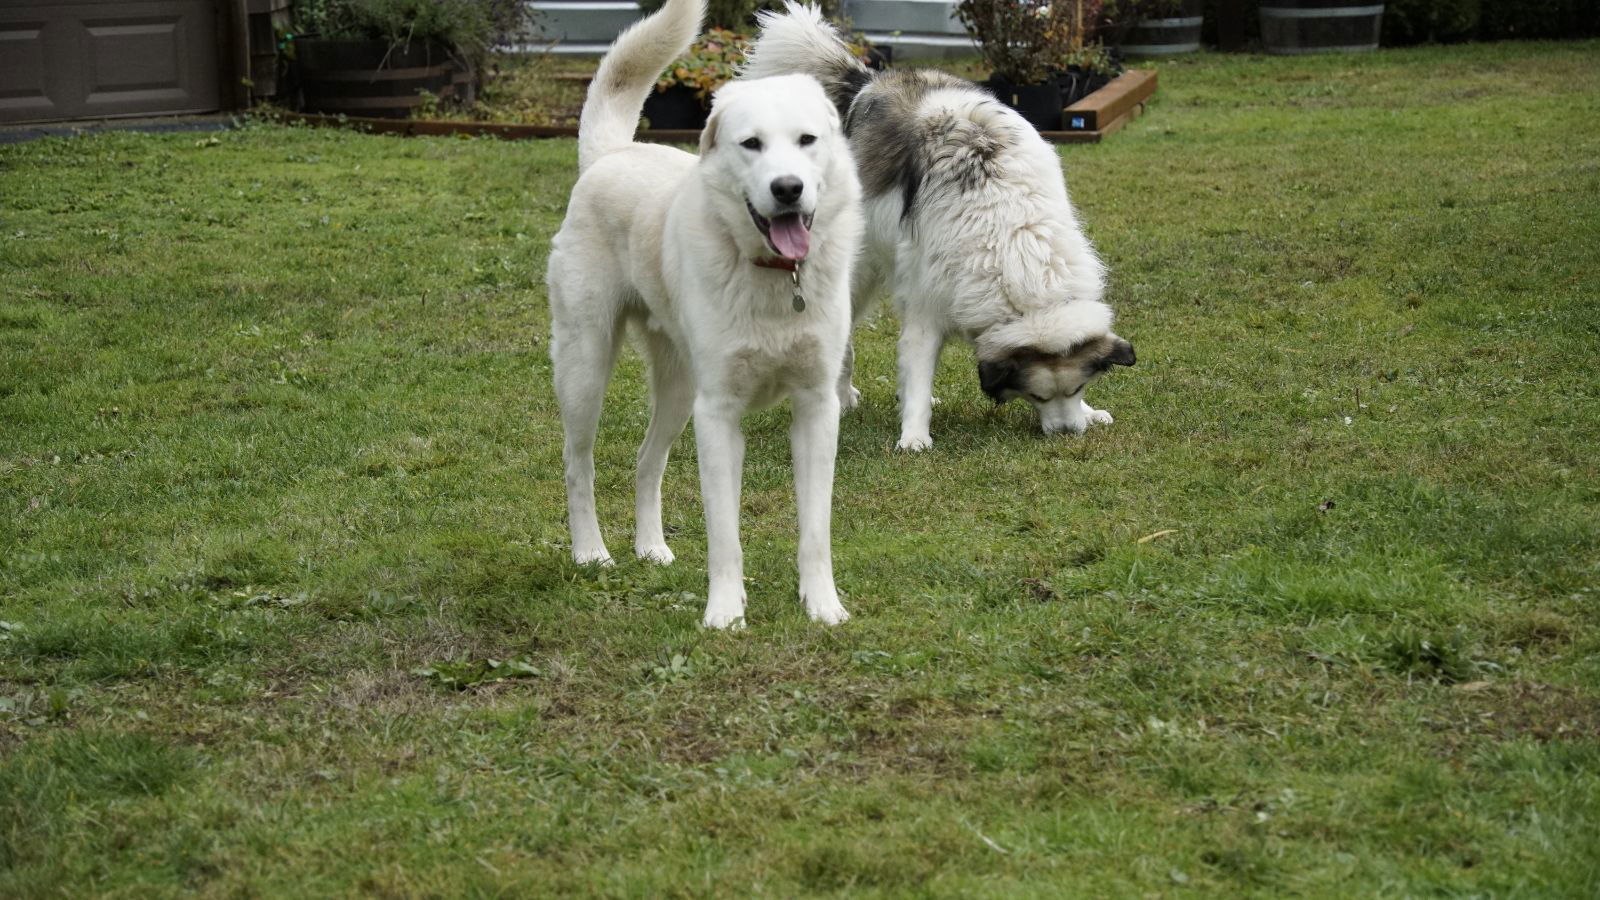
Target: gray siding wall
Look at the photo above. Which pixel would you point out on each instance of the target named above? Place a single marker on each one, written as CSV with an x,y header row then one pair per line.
x,y
917,29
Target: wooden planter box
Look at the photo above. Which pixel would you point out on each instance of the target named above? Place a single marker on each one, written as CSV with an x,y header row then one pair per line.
x,y
1100,114
1105,111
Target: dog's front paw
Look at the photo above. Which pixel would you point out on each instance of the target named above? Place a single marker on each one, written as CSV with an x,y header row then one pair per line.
x,y
723,621
828,612
724,612
592,557
916,443
1074,427
1100,417
659,554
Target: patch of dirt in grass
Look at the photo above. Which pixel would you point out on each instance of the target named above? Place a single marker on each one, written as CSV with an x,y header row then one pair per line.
x,y
691,743
387,693
1536,629
1543,712
929,747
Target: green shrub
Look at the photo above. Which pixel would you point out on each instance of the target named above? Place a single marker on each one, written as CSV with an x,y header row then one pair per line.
x,y
469,27
1539,19
1422,21
1018,41
712,60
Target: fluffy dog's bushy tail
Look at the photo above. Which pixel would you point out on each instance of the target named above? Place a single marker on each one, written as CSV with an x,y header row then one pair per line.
x,y
628,73
800,41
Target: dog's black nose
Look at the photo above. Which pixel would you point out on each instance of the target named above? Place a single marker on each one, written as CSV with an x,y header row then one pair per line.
x,y
787,188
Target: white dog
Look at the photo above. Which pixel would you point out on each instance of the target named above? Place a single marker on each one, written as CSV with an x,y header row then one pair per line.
x,y
735,268
969,220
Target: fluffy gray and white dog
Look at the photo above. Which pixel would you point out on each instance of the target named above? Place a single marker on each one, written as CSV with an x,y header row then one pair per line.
x,y
968,219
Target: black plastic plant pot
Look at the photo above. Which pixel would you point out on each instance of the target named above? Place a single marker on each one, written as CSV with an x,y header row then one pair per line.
x,y
1076,84
676,108
1039,103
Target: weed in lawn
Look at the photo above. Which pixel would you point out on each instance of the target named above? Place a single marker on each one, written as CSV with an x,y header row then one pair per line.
x,y
1447,659
471,673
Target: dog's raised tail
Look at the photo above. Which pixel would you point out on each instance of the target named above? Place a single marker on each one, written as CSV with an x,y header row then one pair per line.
x,y
800,41
628,73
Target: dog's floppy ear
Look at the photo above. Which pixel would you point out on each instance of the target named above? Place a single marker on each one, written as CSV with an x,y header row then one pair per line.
x,y
719,101
996,376
1121,353
708,134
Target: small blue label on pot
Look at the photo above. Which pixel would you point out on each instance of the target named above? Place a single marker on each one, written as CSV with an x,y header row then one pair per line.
x,y
1077,121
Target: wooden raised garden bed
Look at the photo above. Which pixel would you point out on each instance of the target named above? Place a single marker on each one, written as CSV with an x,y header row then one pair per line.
x,y
1105,111
1101,113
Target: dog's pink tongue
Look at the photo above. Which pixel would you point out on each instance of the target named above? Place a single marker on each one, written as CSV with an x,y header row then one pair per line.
x,y
789,236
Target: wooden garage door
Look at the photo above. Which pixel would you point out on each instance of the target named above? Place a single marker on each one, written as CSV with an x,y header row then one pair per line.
x,y
66,60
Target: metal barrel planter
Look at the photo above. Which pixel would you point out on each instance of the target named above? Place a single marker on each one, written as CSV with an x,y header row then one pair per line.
x,y
1169,35
376,78
1320,26
266,19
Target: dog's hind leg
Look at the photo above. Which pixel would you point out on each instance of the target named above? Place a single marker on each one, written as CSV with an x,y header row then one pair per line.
x,y
871,274
849,396
814,442
583,355
920,343
671,404
720,447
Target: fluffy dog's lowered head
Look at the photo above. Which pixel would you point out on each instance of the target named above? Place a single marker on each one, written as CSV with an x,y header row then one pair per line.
x,y
1048,357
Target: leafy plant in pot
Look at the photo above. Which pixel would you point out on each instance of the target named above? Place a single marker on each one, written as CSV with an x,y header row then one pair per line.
x,y
391,57
1042,53
1087,69
682,96
1020,41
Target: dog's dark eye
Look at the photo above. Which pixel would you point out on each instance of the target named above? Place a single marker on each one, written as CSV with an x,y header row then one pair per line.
x,y
807,140
1038,399
753,143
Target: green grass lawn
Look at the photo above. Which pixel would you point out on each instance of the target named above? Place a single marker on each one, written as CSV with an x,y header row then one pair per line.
x,y
280,462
